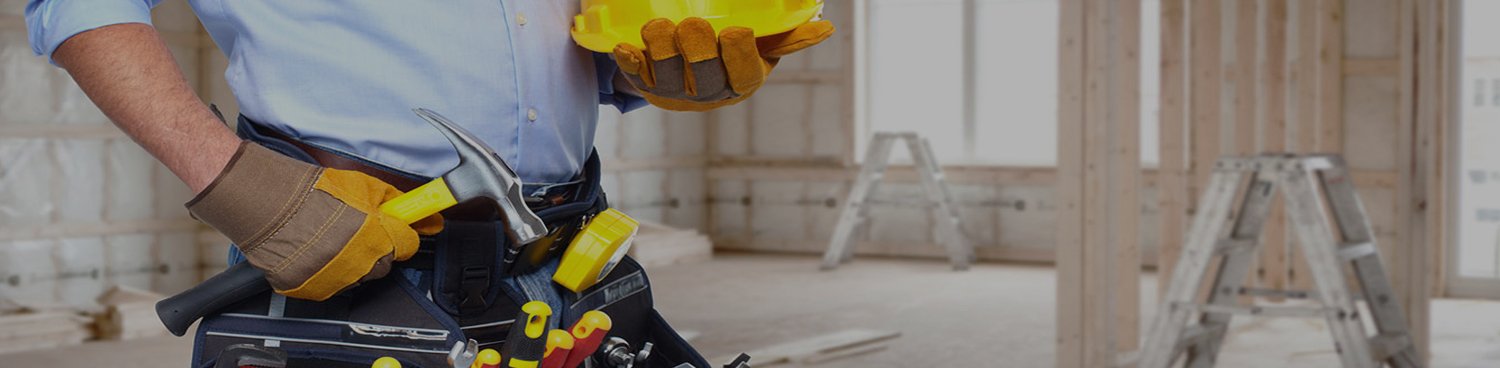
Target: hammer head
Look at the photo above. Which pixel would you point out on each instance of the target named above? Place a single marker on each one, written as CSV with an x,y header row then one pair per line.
x,y
482,174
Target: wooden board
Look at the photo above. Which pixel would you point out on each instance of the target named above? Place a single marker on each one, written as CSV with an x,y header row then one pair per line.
x,y
1099,182
1273,263
818,349
1172,182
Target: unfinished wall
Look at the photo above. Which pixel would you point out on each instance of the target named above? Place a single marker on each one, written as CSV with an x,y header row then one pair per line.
x,y
1365,79
81,206
783,161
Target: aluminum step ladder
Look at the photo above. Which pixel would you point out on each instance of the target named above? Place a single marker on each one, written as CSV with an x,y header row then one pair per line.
x,y
1312,184
856,207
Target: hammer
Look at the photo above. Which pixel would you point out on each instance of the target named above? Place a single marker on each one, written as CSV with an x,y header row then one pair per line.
x,y
480,175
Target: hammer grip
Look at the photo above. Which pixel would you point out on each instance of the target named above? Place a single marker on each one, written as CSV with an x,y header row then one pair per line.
x,y
240,281
420,202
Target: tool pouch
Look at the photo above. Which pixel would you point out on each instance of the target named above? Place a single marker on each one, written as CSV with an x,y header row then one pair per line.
x,y
386,317
442,296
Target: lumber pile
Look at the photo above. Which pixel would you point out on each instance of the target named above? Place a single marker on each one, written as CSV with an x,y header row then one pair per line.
x,y
128,313
38,329
660,245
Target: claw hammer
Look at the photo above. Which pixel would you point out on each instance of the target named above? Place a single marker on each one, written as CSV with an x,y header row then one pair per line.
x,y
480,175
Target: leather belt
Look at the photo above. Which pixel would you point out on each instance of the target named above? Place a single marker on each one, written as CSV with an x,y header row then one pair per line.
x,y
336,161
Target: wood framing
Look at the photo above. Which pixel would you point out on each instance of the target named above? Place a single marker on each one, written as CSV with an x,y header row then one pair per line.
x,y
1099,181
1273,270
1172,167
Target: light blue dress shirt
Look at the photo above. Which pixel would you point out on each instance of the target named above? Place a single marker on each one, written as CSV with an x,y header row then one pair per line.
x,y
344,75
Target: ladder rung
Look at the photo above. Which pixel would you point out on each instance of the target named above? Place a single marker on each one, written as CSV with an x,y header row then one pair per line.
x,y
1289,294
1349,252
1317,163
1196,335
1384,345
1263,311
1232,245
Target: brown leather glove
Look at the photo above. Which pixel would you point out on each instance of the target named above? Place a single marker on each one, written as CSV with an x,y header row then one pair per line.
x,y
685,67
314,231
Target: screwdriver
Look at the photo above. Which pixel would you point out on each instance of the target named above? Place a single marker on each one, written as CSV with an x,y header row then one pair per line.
x,y
487,358
559,343
588,333
527,343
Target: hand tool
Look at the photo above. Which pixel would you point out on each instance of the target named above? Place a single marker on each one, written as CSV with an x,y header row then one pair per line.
x,y
386,362
617,353
559,343
588,334
480,175
527,342
596,250
488,358
463,354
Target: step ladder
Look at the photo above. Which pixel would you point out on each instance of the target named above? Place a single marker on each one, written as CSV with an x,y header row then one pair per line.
x,y
1312,185
856,207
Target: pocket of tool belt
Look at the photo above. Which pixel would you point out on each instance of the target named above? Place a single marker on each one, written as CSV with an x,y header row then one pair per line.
x,y
385,317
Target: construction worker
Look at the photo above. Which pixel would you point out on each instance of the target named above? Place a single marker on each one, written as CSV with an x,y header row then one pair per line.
x,y
326,133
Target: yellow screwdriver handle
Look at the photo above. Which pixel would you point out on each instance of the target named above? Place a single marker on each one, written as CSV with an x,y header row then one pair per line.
x,y
421,202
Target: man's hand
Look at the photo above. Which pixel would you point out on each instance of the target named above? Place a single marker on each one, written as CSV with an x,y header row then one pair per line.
x,y
314,231
686,67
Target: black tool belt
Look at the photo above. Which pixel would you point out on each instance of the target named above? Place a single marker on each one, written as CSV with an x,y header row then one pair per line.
x,y
460,286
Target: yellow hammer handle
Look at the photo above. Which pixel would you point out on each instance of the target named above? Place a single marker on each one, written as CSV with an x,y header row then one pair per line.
x,y
421,202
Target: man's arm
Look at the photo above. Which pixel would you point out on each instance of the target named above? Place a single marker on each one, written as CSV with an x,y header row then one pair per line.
x,y
129,73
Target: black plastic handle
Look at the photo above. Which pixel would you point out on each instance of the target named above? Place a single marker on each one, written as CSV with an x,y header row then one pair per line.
x,y
231,286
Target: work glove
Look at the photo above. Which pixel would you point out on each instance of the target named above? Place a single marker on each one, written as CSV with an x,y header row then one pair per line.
x,y
686,67
314,231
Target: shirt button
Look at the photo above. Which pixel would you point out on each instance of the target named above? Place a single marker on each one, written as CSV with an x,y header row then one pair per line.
x,y
521,19
531,114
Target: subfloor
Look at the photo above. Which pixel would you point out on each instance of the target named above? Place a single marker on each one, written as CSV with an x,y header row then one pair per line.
x,y
991,316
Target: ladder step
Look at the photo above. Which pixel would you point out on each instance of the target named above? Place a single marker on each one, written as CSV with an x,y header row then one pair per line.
x,y
1196,335
1385,345
1349,252
1260,310
1232,245
1289,294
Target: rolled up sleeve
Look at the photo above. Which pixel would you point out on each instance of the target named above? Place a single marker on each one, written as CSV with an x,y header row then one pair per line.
x,y
50,22
607,68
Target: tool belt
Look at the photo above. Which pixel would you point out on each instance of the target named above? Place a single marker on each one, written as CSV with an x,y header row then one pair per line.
x,y
463,284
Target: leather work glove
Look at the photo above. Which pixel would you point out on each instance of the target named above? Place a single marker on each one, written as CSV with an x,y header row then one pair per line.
x,y
686,67
314,231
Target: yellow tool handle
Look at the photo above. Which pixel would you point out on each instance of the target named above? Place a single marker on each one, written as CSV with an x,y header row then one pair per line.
x,y
421,202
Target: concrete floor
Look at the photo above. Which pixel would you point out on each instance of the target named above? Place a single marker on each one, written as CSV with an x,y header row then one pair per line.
x,y
992,316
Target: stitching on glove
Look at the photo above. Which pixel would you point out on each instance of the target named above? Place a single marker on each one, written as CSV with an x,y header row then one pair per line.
x,y
293,202
301,249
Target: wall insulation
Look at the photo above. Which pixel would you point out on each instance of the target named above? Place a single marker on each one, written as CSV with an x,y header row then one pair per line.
x,y
81,206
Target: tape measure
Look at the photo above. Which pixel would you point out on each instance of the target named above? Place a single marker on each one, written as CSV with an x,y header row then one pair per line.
x,y
596,250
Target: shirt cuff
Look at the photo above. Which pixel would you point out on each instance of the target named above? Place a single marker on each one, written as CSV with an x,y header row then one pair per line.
x,y
49,23
607,68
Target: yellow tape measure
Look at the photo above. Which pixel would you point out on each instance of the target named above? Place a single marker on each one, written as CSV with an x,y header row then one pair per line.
x,y
596,250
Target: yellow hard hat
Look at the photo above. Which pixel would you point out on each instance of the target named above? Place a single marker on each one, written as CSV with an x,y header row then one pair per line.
x,y
606,23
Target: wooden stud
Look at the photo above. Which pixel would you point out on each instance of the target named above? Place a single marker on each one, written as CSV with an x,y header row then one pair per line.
x,y
1070,239
1307,79
1243,71
1243,74
1099,178
1331,76
1273,79
1171,190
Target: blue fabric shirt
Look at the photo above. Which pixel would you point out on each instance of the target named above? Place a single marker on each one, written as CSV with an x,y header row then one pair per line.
x,y
344,75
